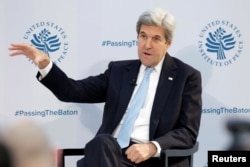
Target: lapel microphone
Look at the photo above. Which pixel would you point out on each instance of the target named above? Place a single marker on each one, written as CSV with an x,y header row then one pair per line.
x,y
133,82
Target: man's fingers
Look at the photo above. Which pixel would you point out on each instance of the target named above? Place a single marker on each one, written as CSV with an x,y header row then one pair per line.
x,y
22,49
135,158
133,154
139,152
15,53
20,45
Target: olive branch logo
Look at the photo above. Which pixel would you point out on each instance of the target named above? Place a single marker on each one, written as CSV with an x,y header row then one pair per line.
x,y
45,42
219,42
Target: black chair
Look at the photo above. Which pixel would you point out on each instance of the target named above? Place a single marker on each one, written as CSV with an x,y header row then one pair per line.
x,y
165,154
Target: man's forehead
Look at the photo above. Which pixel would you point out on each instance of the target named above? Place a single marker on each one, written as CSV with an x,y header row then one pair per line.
x,y
152,30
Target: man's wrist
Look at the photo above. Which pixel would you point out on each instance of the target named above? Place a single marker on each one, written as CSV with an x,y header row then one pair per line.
x,y
45,70
158,148
44,63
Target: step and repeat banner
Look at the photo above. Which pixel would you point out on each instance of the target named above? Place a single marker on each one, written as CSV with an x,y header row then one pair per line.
x,y
82,37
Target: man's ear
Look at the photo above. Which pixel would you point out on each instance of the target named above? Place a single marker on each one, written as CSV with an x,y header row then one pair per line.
x,y
168,44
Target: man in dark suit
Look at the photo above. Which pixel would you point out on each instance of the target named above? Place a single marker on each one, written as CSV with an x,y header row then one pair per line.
x,y
170,115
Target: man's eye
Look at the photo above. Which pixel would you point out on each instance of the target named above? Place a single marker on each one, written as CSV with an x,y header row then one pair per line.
x,y
157,39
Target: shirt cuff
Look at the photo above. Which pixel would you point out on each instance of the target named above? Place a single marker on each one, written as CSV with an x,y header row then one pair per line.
x,y
158,153
45,70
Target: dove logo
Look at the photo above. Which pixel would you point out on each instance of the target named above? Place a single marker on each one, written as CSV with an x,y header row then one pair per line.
x,y
220,43
49,38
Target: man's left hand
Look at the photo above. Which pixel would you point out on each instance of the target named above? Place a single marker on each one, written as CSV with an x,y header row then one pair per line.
x,y
141,152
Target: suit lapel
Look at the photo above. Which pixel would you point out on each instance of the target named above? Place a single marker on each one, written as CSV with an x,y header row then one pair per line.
x,y
167,76
127,88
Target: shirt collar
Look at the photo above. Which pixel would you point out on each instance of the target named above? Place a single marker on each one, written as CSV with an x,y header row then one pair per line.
x,y
157,68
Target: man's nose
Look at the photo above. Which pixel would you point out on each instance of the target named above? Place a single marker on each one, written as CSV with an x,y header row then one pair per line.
x,y
148,43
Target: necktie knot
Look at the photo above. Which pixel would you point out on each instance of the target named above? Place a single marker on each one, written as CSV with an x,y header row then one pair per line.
x,y
148,71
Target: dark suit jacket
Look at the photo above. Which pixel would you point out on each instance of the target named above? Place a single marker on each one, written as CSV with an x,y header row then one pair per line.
x,y
177,106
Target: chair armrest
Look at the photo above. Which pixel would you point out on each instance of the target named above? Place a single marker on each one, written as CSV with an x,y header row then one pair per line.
x,y
165,154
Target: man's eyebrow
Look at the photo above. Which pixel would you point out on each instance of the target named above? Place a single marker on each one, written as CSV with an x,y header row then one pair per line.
x,y
142,32
158,36
155,36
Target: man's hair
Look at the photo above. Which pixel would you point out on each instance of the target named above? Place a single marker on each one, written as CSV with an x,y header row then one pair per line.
x,y
158,17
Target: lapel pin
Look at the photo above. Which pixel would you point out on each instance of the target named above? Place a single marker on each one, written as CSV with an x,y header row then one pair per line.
x,y
170,78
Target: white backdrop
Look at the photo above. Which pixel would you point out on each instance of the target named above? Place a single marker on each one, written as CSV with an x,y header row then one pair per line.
x,y
92,33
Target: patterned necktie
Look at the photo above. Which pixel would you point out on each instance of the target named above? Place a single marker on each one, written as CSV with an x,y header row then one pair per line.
x,y
136,104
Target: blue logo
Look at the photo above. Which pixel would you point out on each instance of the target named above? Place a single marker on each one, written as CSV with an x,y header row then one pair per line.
x,y
45,42
49,38
220,43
